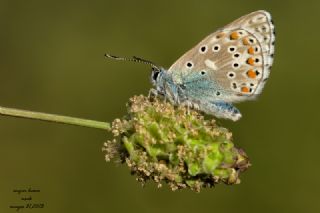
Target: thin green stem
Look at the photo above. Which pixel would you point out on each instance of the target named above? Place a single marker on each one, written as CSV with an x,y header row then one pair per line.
x,y
54,118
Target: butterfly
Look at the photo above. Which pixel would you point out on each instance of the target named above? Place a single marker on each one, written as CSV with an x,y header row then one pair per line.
x,y
228,66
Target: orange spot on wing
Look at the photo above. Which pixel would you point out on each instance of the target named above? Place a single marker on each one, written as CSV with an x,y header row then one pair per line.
x,y
245,89
251,50
234,35
245,41
251,74
250,61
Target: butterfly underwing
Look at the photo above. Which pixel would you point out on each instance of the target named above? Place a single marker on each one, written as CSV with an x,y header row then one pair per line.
x,y
230,65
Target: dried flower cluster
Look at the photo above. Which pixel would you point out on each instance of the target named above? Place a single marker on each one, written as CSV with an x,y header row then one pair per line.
x,y
170,144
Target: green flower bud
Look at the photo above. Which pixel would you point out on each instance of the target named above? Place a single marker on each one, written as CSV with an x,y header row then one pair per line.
x,y
170,144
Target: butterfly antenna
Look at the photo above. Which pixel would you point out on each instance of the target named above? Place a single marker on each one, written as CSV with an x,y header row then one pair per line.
x,y
134,59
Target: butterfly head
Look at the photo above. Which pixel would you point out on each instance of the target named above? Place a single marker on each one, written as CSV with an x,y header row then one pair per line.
x,y
156,75
159,80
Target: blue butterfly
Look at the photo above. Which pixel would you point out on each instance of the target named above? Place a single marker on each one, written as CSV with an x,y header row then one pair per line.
x,y
230,65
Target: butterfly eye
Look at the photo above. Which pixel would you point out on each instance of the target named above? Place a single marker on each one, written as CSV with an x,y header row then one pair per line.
x,y
155,75
216,48
203,49
218,93
189,64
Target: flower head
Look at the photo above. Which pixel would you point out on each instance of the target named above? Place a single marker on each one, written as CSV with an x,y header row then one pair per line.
x,y
164,143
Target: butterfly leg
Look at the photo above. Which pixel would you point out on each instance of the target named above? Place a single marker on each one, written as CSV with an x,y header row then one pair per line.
x,y
153,93
189,105
188,109
222,110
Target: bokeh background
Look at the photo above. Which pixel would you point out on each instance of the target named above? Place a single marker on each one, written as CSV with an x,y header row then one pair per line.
x,y
51,60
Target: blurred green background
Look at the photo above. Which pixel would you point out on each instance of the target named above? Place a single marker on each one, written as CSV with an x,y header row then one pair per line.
x,y
52,61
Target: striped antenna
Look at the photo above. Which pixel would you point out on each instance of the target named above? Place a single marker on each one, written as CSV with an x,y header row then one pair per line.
x,y
134,59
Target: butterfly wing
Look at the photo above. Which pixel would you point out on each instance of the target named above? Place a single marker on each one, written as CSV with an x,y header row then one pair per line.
x,y
231,64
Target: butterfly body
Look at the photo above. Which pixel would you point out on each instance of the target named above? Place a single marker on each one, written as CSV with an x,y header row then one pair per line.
x,y
230,65
193,95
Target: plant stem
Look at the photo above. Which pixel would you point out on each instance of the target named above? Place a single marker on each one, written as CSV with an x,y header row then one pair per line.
x,y
54,118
